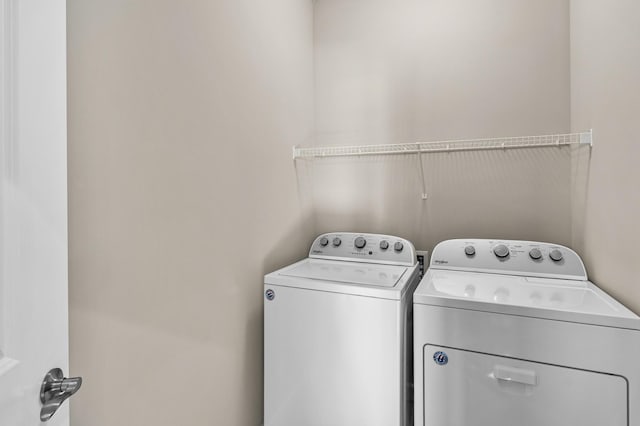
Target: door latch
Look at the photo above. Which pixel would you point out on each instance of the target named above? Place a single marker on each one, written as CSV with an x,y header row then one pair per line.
x,y
55,390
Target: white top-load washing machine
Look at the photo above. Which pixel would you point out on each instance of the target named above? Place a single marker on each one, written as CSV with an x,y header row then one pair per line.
x,y
337,343
512,333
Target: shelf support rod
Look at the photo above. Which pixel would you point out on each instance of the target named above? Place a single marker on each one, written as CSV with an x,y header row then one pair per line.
x,y
422,182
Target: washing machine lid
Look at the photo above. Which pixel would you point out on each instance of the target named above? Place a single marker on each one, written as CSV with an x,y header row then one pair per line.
x,y
558,299
355,273
353,278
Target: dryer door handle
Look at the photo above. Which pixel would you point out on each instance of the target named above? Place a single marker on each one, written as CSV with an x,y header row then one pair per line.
x,y
518,375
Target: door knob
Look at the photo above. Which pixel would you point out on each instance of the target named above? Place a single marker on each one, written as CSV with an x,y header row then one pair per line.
x,y
55,390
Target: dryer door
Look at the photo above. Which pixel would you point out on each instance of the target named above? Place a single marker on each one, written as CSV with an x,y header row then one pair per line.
x,y
463,388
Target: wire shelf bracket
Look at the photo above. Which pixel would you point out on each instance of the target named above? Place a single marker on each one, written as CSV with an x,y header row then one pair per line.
x,y
487,144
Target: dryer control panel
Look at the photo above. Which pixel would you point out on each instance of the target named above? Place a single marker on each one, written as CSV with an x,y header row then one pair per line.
x,y
512,257
370,248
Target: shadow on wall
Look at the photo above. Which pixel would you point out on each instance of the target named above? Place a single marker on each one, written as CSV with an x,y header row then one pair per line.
x,y
517,194
580,167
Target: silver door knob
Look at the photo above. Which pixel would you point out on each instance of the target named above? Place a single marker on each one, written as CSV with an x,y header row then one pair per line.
x,y
55,390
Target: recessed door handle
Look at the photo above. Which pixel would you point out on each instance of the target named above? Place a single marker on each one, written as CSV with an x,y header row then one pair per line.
x,y
518,375
55,390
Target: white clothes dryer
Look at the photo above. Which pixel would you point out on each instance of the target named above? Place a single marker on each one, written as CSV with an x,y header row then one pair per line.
x,y
337,337
512,333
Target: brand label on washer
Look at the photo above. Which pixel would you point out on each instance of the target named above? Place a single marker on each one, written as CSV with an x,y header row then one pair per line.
x,y
270,294
440,358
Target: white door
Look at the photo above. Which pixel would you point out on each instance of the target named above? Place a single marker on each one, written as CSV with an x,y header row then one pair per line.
x,y
33,206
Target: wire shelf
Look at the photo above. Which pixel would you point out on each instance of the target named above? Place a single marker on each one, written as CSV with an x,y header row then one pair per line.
x,y
583,138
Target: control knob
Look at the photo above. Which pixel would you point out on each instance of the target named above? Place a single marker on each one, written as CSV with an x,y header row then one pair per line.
x,y
324,241
360,242
555,255
398,246
469,250
535,254
384,244
501,251
337,241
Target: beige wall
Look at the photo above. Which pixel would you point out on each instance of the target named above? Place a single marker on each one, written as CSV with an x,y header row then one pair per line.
x,y
182,195
605,96
414,70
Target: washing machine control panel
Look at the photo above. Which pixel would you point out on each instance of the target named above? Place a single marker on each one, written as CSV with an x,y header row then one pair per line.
x,y
527,258
371,248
